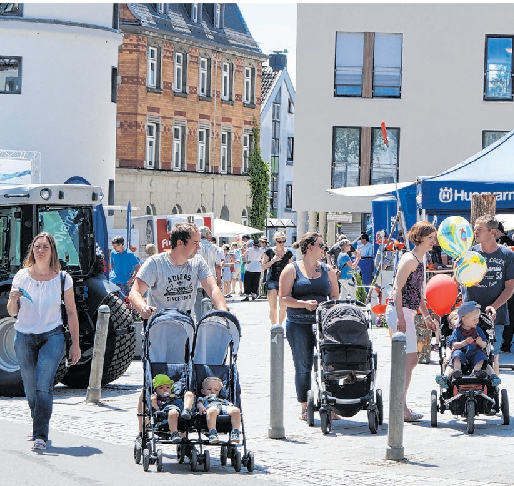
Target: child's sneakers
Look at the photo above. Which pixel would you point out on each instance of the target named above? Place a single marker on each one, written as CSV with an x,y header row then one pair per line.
x,y
457,374
442,381
495,380
175,438
235,437
186,414
480,374
213,437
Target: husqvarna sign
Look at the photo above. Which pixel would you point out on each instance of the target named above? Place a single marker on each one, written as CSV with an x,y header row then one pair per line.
x,y
446,195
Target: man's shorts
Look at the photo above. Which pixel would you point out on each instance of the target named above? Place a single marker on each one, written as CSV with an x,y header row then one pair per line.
x,y
410,330
498,338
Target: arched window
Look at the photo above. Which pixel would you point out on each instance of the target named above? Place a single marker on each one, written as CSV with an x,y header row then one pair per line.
x,y
201,209
150,210
225,214
244,217
176,209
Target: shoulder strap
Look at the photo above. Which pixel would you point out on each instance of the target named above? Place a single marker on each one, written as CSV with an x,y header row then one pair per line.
x,y
64,315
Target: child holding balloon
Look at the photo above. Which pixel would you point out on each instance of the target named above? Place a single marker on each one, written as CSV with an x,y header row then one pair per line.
x,y
467,343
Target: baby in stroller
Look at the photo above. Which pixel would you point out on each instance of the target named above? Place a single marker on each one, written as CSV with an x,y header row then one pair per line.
x,y
467,343
168,406
211,404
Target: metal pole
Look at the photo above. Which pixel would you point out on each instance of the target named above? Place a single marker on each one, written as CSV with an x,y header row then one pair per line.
x,y
94,390
397,398
277,430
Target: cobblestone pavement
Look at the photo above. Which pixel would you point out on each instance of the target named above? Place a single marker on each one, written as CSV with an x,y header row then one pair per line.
x,y
348,455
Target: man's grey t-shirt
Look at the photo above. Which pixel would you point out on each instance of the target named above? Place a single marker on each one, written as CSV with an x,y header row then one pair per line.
x,y
173,286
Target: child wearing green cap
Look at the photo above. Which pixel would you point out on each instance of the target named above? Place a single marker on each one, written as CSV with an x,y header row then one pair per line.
x,y
164,400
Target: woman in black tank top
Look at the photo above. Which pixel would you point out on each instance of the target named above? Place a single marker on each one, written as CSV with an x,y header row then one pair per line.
x,y
302,286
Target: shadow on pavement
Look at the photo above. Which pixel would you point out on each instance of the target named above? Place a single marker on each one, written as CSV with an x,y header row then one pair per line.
x,y
81,451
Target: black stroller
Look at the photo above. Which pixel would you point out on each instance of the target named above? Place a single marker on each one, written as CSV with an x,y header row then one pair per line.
x,y
215,354
469,395
167,349
345,367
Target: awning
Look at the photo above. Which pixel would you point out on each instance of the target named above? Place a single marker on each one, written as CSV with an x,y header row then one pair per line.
x,y
279,223
230,229
374,190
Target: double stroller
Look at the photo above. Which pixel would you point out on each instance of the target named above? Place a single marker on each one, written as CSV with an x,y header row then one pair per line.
x,y
469,395
187,354
345,367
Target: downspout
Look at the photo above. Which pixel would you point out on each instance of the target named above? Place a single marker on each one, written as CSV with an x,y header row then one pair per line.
x,y
213,158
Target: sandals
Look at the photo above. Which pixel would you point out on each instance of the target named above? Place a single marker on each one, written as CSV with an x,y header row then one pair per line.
x,y
303,415
411,416
39,445
30,438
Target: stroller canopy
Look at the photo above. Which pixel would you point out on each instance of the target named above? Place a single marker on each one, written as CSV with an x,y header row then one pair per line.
x,y
215,332
169,337
344,324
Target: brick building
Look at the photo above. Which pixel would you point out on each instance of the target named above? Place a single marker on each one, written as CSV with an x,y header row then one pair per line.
x,y
189,92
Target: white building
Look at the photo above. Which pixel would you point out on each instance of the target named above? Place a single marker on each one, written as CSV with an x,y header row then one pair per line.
x,y
58,78
277,143
438,75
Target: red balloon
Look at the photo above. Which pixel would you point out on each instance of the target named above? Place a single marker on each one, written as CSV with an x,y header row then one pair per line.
x,y
442,294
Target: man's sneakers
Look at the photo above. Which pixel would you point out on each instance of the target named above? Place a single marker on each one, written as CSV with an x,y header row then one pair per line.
x,y
235,436
213,437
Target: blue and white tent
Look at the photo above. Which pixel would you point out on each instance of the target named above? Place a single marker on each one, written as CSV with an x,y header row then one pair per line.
x,y
490,171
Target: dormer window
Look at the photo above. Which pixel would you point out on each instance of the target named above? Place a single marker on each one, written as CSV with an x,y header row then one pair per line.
x,y
217,16
161,8
194,12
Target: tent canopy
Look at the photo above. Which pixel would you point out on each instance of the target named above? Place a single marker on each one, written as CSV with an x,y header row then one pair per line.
x,y
279,223
230,229
490,171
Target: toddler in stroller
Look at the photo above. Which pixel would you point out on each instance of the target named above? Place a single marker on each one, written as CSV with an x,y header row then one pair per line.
x,y
468,385
345,367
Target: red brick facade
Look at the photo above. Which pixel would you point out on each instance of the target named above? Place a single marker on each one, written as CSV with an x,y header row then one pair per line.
x,y
137,102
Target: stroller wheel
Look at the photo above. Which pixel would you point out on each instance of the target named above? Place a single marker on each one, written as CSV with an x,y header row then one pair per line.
x,y
505,407
380,406
250,462
160,466
470,405
325,421
433,408
237,461
146,459
373,421
310,408
206,460
138,450
223,455
194,460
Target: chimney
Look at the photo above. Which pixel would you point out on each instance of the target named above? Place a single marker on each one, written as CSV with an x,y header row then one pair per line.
x,y
278,60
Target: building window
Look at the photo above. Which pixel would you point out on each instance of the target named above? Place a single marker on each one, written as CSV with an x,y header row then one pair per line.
x,y
10,10
151,145
161,8
249,85
194,12
225,82
290,149
177,209
368,64
178,147
217,16
225,154
114,84
273,202
498,68
247,152
275,133
204,88
387,65
153,69
203,150
491,136
289,196
381,170
179,72
244,217
10,75
290,106
346,157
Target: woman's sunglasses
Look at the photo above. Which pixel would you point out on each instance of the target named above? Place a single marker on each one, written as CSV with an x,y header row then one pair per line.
x,y
280,241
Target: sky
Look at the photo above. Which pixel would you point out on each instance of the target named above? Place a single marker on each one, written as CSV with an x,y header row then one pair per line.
x,y
273,26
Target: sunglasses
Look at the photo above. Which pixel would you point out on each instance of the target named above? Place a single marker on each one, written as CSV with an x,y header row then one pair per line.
x,y
321,245
280,241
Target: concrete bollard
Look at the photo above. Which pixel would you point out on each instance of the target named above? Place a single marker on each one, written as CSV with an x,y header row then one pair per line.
x,y
394,450
206,306
94,390
276,430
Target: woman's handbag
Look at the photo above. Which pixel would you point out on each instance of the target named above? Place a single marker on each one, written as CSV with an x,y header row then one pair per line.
x,y
64,316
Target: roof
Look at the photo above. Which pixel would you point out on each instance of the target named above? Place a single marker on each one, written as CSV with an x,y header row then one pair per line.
x,y
177,20
269,78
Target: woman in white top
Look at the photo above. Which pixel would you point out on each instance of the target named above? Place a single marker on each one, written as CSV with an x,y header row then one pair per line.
x,y
253,270
35,299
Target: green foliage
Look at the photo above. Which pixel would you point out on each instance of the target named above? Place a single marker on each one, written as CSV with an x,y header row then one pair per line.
x,y
360,293
259,184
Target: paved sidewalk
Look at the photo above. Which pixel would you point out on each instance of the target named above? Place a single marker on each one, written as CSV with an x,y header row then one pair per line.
x,y
349,455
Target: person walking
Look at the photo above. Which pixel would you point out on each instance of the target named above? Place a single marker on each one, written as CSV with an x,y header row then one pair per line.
x,y
303,285
253,270
274,261
236,274
124,265
407,297
346,268
39,343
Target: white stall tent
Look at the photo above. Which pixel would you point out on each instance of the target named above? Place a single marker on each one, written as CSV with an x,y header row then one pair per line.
x,y
232,230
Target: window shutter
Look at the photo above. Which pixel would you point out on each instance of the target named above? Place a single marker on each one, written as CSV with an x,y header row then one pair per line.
x,y
231,82
208,92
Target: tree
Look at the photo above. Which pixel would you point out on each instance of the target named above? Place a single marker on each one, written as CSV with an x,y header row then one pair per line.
x,y
259,183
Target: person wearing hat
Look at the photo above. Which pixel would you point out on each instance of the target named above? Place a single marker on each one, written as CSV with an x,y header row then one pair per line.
x,y
467,343
253,270
264,242
164,399
497,286
364,246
